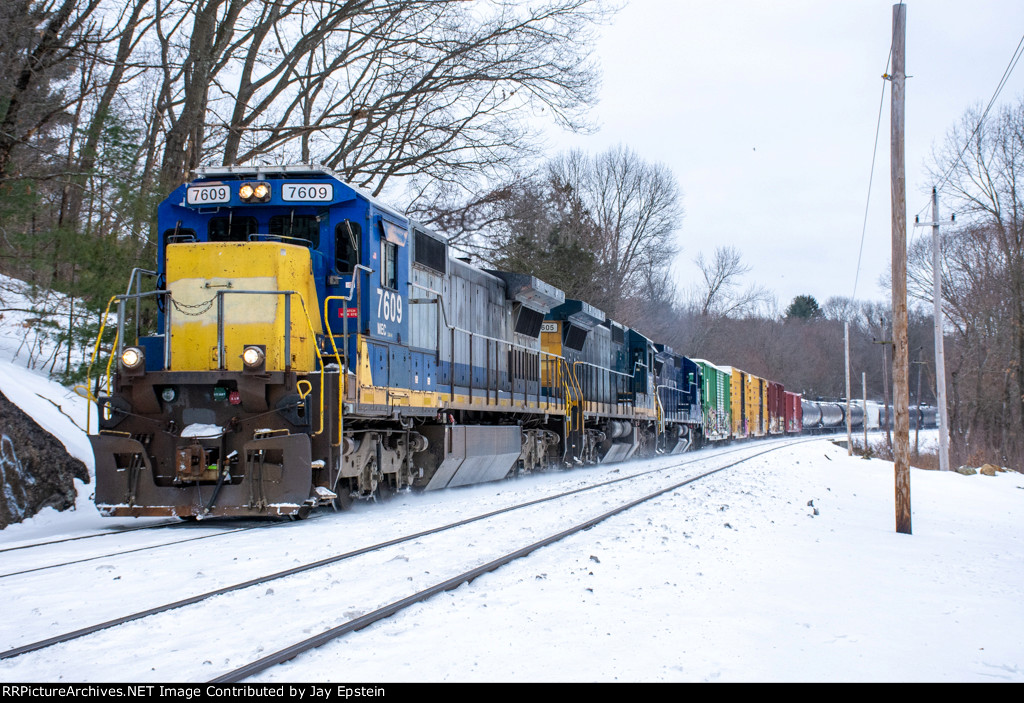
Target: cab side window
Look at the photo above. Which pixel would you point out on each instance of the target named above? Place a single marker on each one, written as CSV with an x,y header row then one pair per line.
x,y
346,246
391,237
389,265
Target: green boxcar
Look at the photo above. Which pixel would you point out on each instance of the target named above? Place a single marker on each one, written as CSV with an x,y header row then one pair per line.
x,y
715,387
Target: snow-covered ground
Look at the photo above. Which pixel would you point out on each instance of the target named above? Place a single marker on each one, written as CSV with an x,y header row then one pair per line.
x,y
787,568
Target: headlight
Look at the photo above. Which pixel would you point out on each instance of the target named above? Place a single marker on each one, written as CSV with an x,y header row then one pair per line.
x,y
253,357
132,358
258,192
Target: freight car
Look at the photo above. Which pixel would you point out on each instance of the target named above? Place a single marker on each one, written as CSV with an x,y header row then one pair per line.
x,y
717,400
920,417
310,345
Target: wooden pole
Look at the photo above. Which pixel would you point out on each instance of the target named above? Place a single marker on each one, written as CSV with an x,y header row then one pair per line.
x,y
900,347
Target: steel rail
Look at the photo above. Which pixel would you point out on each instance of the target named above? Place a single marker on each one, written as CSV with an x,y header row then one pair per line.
x,y
94,534
386,611
131,551
90,629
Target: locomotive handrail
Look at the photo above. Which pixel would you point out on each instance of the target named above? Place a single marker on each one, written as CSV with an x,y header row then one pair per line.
x,y
571,374
92,360
343,375
287,337
118,337
443,319
283,238
121,300
135,279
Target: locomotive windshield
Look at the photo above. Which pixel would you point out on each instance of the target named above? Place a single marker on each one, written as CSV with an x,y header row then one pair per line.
x,y
231,229
297,227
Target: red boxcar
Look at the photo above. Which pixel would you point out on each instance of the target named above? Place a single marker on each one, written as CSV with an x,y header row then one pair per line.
x,y
776,408
794,413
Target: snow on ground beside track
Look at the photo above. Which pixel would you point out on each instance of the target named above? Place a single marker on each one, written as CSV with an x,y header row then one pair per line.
x,y
736,578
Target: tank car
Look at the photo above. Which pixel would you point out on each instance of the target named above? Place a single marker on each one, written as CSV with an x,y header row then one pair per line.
x,y
832,415
856,415
811,413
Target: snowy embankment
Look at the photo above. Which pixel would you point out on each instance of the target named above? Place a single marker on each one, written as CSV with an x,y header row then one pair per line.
x,y
29,327
787,568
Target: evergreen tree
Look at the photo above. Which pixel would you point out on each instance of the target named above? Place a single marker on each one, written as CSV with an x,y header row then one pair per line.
x,y
804,307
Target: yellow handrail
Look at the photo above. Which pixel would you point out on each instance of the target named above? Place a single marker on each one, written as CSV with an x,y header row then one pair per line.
x,y
92,360
579,391
312,332
342,372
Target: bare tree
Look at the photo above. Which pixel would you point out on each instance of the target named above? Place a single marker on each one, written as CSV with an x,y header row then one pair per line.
x,y
129,28
601,227
981,168
720,293
376,89
41,41
635,207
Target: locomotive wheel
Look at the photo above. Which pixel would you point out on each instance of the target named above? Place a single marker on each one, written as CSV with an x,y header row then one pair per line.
x,y
385,491
344,498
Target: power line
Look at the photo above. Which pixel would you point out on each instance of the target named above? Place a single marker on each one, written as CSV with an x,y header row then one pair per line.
x,y
871,176
1017,53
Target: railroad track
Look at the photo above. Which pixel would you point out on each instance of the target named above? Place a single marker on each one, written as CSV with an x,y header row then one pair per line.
x,y
221,529
106,533
414,572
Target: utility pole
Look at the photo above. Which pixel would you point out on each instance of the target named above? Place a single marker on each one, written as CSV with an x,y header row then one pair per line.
x,y
900,347
917,422
864,392
940,352
849,427
886,407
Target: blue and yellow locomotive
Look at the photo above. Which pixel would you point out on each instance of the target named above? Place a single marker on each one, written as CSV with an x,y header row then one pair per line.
x,y
314,346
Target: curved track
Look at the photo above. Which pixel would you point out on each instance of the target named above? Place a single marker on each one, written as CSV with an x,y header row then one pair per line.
x,y
412,561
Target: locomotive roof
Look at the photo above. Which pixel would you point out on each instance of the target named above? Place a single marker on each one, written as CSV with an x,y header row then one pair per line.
x,y
293,171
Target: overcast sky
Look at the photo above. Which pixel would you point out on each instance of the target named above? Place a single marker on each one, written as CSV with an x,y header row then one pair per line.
x,y
766,114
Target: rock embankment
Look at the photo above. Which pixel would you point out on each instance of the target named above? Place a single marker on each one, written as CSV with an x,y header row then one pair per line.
x,y
36,470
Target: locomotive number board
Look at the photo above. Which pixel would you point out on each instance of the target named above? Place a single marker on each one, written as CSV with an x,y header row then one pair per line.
x,y
307,192
208,195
